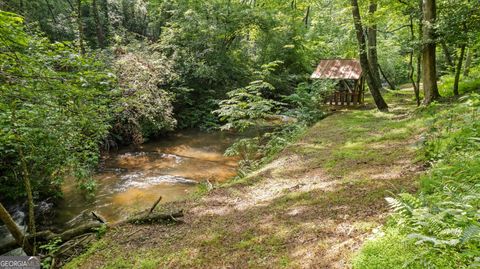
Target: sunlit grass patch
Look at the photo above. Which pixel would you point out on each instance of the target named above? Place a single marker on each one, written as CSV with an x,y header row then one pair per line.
x,y
466,85
98,246
386,251
309,148
213,238
437,228
365,226
292,198
400,133
256,244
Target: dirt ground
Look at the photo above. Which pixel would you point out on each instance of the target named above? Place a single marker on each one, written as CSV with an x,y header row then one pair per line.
x,y
311,207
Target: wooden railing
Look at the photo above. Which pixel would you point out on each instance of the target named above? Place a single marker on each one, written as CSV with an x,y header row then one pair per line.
x,y
342,98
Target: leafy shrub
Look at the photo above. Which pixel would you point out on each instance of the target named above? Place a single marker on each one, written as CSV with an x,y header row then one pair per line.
x,y
466,85
145,109
263,148
307,100
246,105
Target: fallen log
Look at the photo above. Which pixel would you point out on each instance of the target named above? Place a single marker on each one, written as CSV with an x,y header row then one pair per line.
x,y
144,218
99,217
155,218
45,236
74,232
155,205
64,248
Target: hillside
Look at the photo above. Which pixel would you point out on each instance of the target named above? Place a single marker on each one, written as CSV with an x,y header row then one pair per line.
x,y
311,207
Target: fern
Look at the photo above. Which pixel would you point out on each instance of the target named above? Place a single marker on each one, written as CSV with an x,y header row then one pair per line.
x,y
452,232
404,205
470,233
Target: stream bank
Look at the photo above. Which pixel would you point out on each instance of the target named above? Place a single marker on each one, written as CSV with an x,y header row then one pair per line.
x,y
311,207
134,177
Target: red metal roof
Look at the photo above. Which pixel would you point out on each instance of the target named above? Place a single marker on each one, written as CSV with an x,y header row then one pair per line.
x,y
338,69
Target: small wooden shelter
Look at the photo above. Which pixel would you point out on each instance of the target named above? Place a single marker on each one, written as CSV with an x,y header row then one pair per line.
x,y
351,82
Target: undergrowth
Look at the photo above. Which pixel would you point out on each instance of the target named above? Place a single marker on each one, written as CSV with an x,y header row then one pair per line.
x,y
468,83
439,226
300,110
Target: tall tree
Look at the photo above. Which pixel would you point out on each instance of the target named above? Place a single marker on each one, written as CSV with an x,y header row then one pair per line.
x,y
420,48
468,62
98,25
372,44
362,47
411,72
81,34
429,62
26,178
458,69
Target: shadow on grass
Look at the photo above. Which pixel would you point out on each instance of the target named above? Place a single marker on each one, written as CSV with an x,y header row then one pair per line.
x,y
345,166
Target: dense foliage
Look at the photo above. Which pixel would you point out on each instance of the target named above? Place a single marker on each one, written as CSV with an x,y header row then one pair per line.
x,y
282,123
55,108
145,109
438,228
178,61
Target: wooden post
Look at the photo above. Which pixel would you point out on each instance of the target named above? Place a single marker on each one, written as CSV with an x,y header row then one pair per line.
x,y
362,91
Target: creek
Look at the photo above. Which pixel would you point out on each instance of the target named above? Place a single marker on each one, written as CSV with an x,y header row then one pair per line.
x,y
132,179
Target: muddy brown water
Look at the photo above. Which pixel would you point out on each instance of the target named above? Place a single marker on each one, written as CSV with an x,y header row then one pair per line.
x,y
133,178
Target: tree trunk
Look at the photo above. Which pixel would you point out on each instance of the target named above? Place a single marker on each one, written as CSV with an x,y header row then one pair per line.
x,y
372,45
419,50
98,25
386,78
377,96
106,22
28,187
80,27
429,55
31,205
307,17
448,56
51,11
468,62
17,234
411,72
458,70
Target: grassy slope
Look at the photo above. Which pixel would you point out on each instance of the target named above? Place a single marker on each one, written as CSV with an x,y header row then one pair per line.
x,y
311,207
